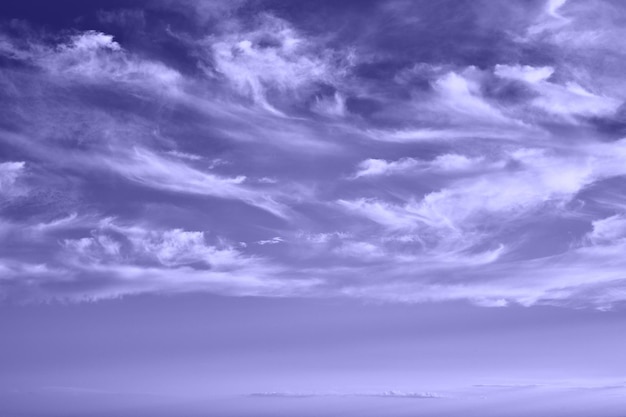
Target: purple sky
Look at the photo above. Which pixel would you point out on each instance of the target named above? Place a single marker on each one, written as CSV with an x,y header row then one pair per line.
x,y
276,207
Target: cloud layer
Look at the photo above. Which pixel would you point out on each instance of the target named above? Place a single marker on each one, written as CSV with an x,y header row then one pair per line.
x,y
405,152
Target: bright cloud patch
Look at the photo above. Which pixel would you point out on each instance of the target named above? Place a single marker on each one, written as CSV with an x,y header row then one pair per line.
x,y
170,248
272,57
99,58
9,174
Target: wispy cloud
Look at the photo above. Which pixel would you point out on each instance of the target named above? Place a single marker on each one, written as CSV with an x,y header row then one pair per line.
x,y
155,171
114,260
332,153
272,56
445,163
9,176
384,394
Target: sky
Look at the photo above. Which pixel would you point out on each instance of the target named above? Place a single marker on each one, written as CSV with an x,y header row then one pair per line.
x,y
272,207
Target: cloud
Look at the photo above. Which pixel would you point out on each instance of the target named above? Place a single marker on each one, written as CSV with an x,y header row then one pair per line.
x,y
585,276
185,155
10,172
372,167
554,5
152,170
272,56
96,57
462,103
116,260
542,177
574,99
403,394
62,222
526,73
449,134
550,19
386,214
334,106
321,238
482,163
386,394
446,163
456,217
563,99
585,39
461,96
169,248
610,230
568,99
273,241
362,250
418,230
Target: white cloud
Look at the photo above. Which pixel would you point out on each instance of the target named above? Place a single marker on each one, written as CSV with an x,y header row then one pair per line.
x,y
97,247
113,243
565,99
550,20
137,259
553,7
272,56
10,172
389,215
152,170
447,231
461,96
610,230
457,108
334,106
590,275
573,99
185,155
451,162
90,41
11,269
254,280
472,210
453,133
587,37
361,250
178,247
420,227
267,180
321,238
386,394
445,163
373,167
525,73
94,57
62,222
273,241
560,280
543,177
